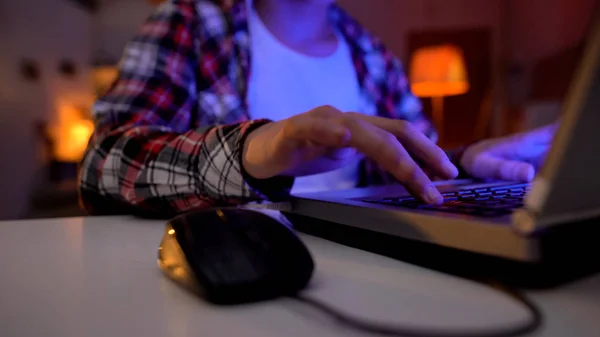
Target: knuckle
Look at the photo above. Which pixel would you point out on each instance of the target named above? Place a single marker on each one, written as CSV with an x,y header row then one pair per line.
x,y
388,139
438,155
391,159
325,111
289,128
351,114
402,125
350,121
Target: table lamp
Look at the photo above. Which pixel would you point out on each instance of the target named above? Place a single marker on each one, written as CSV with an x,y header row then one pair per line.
x,y
436,72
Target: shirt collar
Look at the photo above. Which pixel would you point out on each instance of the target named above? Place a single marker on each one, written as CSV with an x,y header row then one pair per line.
x,y
354,33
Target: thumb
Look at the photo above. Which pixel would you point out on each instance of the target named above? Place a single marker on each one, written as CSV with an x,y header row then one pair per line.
x,y
497,168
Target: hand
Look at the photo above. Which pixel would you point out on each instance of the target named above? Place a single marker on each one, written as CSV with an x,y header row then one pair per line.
x,y
515,157
324,139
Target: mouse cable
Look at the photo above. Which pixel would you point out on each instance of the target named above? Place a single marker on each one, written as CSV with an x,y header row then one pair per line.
x,y
390,330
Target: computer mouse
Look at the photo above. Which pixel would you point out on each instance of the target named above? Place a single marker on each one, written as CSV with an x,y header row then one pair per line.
x,y
234,256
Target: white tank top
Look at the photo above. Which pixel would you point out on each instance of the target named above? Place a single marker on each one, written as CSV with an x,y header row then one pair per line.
x,y
284,83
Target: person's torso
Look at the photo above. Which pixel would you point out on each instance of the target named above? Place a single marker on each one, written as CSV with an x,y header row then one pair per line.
x,y
226,56
284,82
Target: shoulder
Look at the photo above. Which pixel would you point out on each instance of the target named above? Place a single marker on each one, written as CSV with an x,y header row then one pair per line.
x,y
378,58
209,16
357,33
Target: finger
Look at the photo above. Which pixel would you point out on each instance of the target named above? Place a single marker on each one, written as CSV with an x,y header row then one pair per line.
x,y
417,143
523,147
386,150
416,181
423,148
543,134
492,167
539,136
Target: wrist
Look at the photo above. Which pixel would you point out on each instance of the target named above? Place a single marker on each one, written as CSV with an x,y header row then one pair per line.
x,y
274,188
251,160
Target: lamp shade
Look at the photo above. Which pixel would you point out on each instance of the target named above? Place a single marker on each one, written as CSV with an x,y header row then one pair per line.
x,y
438,71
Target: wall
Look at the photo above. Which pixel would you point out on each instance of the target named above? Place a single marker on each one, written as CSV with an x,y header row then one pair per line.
x,y
544,36
45,31
540,28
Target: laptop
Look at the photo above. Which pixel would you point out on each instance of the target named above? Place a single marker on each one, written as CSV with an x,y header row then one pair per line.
x,y
498,218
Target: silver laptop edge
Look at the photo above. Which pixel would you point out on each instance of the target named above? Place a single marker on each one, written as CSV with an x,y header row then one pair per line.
x,y
567,188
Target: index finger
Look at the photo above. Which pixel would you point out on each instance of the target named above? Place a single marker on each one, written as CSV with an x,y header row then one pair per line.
x,y
388,152
417,143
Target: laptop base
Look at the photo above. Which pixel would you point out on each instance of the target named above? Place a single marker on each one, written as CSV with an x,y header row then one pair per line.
x,y
569,252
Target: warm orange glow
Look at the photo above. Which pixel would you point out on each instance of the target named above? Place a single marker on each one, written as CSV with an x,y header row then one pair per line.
x,y
71,134
104,76
438,71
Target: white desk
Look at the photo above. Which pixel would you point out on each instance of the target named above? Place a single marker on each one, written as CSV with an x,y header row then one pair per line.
x,y
98,277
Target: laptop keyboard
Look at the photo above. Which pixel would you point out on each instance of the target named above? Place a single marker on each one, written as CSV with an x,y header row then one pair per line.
x,y
487,202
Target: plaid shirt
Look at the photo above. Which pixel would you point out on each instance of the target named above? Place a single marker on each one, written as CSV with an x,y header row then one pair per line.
x,y
170,130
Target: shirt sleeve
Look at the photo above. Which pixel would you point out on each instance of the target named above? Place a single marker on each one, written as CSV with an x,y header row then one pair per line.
x,y
146,156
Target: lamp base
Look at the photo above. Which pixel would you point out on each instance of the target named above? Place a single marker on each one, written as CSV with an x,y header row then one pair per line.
x,y
437,105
